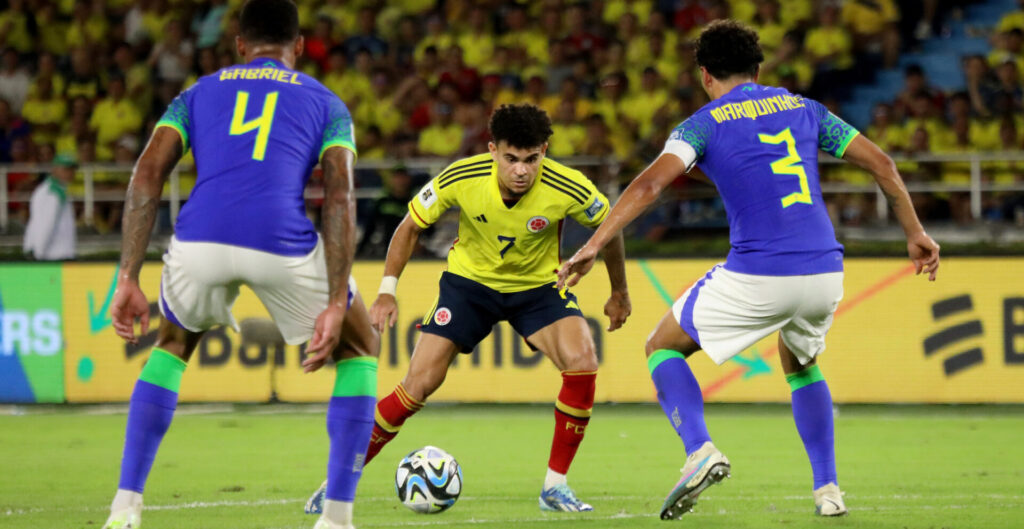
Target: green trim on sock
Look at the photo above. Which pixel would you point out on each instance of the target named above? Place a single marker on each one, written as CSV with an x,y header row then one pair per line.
x,y
805,377
660,356
163,369
356,377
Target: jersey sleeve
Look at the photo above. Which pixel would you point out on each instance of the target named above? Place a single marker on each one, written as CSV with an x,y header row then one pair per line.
x,y
834,134
430,203
594,209
339,131
692,134
178,118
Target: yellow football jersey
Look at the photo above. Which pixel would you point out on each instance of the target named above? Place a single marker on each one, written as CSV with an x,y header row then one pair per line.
x,y
509,249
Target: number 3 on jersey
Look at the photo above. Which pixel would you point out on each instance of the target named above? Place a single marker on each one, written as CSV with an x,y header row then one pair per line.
x,y
260,124
789,164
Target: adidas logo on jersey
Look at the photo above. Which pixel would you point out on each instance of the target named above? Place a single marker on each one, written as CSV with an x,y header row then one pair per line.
x,y
480,218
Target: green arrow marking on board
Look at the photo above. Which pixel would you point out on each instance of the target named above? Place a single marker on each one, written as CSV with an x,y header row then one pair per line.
x,y
99,320
754,365
655,282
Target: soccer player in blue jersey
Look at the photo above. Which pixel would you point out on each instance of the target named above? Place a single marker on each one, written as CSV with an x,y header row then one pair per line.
x,y
759,145
256,130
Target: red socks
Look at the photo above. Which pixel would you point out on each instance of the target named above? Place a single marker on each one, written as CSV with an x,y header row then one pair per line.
x,y
572,413
391,413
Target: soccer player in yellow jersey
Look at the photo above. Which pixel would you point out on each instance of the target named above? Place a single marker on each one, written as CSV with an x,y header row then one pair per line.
x,y
502,267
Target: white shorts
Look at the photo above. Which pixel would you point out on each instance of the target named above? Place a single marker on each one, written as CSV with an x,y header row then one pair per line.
x,y
726,312
200,282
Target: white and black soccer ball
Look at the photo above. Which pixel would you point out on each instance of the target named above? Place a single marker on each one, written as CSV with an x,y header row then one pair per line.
x,y
428,480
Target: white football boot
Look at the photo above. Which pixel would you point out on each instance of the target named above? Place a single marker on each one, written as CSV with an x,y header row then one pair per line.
x,y
828,501
703,468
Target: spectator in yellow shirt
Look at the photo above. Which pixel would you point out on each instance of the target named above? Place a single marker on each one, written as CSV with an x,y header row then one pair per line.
x,y
615,9
610,104
796,13
477,41
137,76
874,25
380,110
601,142
889,136
437,37
113,117
1009,47
83,80
53,32
829,44
651,99
788,60
830,49
14,31
768,25
443,136
45,113
520,35
1013,19
351,86
46,68
76,127
567,134
88,25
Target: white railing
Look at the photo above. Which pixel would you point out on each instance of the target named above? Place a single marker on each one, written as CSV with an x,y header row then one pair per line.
x,y
89,196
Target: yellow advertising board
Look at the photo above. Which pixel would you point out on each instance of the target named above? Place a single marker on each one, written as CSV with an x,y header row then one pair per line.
x,y
101,367
896,338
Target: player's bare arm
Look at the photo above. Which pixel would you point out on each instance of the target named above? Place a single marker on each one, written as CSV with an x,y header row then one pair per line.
x,y
618,307
140,207
640,194
384,311
339,232
923,250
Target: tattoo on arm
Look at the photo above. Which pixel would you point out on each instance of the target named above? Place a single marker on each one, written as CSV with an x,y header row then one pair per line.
x,y
339,226
143,198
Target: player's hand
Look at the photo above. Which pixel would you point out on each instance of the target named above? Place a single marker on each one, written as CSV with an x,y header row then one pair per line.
x,y
129,304
575,268
326,335
924,252
617,309
383,312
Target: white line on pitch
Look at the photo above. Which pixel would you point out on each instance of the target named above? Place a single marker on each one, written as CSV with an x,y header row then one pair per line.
x,y
377,499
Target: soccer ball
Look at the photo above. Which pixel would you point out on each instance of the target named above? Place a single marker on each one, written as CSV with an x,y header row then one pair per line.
x,y
428,480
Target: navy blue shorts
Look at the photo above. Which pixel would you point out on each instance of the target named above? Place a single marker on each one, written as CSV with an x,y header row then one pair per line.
x,y
466,311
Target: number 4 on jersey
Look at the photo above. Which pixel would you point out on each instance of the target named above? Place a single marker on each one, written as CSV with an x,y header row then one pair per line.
x,y
789,164
260,124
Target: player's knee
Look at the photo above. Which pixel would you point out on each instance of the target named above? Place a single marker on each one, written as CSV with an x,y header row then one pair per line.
x,y
422,385
583,359
652,344
373,345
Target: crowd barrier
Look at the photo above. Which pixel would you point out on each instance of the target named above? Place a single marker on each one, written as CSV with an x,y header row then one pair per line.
x,y
896,338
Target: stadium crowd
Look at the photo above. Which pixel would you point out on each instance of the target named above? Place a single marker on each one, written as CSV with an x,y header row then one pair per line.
x,y
89,78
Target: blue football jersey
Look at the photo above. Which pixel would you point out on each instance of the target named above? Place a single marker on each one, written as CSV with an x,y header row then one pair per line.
x,y
759,145
256,131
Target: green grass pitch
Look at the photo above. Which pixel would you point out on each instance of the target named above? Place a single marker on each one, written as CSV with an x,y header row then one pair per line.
x,y
252,467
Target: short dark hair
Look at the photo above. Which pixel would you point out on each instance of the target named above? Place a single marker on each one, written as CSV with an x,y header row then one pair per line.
x,y
523,126
727,48
269,21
